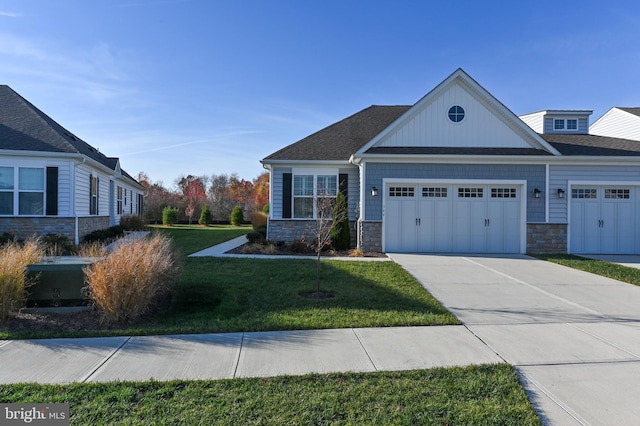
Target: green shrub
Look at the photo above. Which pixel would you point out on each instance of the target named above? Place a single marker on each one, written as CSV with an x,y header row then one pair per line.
x,y
205,216
340,233
169,216
6,238
265,209
255,237
14,259
58,245
134,276
236,216
132,222
104,235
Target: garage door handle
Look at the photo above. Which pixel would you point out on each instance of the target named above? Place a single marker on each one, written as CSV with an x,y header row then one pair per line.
x,y
488,222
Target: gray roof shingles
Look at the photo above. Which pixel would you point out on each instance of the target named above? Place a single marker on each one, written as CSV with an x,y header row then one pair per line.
x,y
592,145
23,127
634,111
342,139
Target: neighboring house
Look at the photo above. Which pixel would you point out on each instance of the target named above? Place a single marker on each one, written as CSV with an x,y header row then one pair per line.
x,y
618,123
53,182
459,172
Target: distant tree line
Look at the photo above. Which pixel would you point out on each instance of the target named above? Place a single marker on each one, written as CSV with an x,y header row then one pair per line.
x,y
190,194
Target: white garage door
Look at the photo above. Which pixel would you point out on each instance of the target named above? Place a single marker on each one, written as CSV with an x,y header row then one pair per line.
x,y
452,218
603,220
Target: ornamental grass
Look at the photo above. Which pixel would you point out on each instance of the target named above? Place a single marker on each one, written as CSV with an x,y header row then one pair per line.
x,y
132,279
14,280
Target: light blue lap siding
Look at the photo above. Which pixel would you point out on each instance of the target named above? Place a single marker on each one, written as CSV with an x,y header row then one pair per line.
x,y
533,174
353,191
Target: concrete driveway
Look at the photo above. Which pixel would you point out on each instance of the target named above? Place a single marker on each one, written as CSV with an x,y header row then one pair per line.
x,y
573,336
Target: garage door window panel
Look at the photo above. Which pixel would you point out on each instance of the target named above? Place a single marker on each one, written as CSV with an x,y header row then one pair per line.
x,y
621,194
434,192
470,192
582,193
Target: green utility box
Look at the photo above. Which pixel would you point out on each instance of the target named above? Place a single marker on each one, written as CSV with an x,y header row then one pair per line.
x,y
60,281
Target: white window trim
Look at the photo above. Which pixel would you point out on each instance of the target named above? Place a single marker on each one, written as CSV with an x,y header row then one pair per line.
x,y
16,189
315,172
564,125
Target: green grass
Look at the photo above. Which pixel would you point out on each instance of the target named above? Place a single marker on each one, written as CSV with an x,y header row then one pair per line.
x,y
217,295
600,267
488,395
189,239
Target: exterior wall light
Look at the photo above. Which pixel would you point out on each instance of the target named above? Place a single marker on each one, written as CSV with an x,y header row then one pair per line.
x,y
560,193
536,193
374,191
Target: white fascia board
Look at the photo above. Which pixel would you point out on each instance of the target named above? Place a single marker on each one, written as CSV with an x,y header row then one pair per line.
x,y
500,159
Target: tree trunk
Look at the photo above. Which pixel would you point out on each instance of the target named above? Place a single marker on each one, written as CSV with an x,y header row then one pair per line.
x,y
318,273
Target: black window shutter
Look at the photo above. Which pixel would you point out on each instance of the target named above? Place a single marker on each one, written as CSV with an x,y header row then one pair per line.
x,y
287,180
343,184
52,191
97,195
91,194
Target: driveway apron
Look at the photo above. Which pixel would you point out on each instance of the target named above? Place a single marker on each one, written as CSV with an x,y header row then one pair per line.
x,y
573,336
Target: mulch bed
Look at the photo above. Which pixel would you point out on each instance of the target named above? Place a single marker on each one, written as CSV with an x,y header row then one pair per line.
x,y
284,250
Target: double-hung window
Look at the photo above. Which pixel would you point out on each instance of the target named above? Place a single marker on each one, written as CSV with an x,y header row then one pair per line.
x,y
119,202
30,191
6,190
95,194
309,191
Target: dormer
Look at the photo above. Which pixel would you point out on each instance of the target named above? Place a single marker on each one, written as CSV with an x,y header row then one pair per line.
x,y
559,121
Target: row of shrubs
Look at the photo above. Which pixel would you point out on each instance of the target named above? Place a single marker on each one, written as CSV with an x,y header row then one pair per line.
x,y
129,281
170,215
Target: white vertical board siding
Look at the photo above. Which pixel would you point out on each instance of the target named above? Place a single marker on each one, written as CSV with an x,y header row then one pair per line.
x,y
618,124
430,125
559,176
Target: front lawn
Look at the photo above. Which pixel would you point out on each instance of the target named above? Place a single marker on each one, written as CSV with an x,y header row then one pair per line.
x,y
488,395
600,267
217,295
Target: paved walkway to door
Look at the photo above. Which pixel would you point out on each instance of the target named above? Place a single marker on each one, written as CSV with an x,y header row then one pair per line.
x,y
573,336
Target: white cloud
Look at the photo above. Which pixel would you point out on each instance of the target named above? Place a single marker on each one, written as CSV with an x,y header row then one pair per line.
x,y
9,14
99,73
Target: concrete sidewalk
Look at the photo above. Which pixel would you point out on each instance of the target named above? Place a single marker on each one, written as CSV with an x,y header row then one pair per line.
x,y
230,355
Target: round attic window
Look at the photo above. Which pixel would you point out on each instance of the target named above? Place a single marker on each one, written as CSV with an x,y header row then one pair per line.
x,y
456,113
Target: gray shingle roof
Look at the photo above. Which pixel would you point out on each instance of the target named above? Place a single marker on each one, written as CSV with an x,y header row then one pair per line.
x,y
342,139
23,127
634,111
593,145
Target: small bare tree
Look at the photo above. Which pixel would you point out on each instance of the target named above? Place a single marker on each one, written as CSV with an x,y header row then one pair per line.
x,y
326,219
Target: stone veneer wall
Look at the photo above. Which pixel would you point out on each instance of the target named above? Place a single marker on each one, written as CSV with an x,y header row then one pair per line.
x,y
25,227
546,238
91,223
294,230
370,236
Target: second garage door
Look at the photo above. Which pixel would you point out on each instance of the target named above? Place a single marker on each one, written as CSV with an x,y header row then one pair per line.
x,y
603,219
469,218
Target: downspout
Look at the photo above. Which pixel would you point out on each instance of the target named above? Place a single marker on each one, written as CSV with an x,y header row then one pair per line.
x,y
358,162
73,201
268,167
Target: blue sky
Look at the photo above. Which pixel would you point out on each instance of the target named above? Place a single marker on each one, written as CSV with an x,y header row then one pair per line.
x,y
177,87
